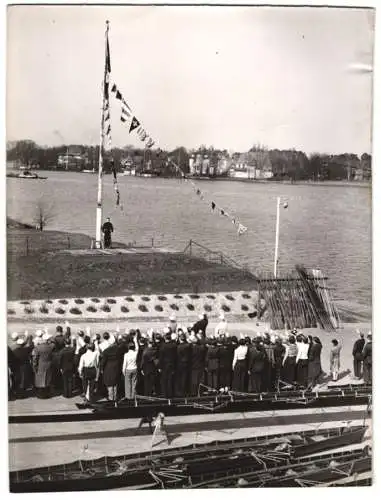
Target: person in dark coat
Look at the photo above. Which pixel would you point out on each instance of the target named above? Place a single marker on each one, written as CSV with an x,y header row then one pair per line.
x,y
314,362
367,360
59,339
12,367
42,365
358,347
225,364
197,365
279,352
212,364
107,229
167,366
183,367
111,368
256,366
148,368
67,367
269,369
23,371
201,324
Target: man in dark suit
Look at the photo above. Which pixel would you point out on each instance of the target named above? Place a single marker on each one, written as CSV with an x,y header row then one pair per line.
x,y
197,365
167,365
201,324
148,368
212,364
225,364
367,360
67,367
183,357
358,347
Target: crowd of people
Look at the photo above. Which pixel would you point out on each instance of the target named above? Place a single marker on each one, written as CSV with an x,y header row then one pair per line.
x,y
177,362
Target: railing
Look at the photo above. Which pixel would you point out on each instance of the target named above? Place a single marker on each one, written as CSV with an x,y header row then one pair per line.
x,y
193,248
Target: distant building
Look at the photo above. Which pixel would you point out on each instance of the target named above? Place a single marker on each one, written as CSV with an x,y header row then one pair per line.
x,y
74,159
251,165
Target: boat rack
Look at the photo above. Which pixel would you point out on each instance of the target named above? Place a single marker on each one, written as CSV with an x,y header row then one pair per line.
x,y
148,408
219,463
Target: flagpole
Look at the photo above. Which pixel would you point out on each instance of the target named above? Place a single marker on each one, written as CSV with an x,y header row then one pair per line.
x,y
98,227
276,237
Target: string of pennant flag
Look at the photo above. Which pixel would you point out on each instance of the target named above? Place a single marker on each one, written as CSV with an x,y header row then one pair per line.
x,y
127,116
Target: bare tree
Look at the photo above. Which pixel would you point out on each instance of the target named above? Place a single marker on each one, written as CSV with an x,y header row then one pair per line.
x,y
43,214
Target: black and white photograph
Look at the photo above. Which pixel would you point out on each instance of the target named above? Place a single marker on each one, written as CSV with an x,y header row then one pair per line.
x,y
189,246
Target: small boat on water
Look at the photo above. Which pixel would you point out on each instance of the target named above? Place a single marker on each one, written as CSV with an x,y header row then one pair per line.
x,y
207,464
26,174
88,171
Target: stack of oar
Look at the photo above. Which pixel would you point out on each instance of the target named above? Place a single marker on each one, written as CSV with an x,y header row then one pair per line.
x,y
221,463
300,300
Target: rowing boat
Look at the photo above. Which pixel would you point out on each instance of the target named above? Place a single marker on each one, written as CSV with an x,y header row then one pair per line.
x,y
187,465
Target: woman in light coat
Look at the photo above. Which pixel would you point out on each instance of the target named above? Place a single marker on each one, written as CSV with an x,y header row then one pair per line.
x,y
335,359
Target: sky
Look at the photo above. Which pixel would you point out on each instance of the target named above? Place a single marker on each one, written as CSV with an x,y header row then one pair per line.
x,y
230,77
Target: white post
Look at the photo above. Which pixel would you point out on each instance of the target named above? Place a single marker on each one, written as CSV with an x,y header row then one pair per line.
x,y
276,237
98,226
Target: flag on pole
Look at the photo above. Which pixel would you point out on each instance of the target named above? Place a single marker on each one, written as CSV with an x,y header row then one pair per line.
x,y
106,96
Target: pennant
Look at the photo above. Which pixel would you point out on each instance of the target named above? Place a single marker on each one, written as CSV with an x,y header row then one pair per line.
x,y
150,143
143,136
118,95
123,119
241,229
114,89
125,111
213,205
222,212
125,104
134,124
198,192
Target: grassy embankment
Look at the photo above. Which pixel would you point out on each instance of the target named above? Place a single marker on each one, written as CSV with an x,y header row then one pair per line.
x,y
38,268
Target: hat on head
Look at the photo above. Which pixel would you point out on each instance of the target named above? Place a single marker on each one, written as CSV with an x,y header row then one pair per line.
x,y
222,316
14,336
172,317
200,316
46,337
174,336
166,330
38,333
81,333
20,341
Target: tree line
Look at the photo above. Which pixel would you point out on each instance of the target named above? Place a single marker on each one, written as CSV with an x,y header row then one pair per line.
x,y
286,164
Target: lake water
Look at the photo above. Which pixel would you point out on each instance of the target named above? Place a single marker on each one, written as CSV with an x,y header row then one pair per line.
x,y
325,227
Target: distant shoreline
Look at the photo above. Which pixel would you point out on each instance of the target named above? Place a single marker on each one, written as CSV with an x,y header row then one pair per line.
x,y
338,183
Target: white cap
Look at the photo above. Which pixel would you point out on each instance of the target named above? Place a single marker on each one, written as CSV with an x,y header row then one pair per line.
x,y
172,317
67,323
38,333
272,338
259,334
166,330
14,336
173,336
20,341
46,336
201,316
222,316
87,330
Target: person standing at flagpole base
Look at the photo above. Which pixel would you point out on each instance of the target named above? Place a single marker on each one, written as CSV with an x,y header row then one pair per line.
x,y
107,229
